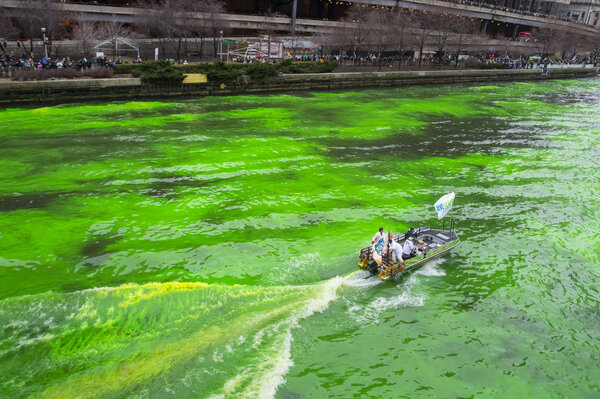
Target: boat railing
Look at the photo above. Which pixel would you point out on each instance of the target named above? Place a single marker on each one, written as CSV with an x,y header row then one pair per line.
x,y
365,253
385,269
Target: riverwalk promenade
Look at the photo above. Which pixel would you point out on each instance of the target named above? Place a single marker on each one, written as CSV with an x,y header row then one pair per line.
x,y
127,88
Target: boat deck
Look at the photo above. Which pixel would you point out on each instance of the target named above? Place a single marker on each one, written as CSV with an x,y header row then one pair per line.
x,y
430,243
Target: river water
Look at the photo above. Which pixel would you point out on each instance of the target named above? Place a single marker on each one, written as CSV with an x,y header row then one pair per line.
x,y
202,248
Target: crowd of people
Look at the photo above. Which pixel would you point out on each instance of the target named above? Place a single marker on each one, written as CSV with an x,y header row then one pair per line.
x,y
512,10
27,60
10,63
535,62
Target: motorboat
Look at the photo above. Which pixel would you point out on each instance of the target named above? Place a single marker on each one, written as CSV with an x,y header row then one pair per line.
x,y
434,244
429,244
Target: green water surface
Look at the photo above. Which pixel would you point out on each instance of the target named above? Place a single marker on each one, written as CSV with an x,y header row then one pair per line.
x,y
201,248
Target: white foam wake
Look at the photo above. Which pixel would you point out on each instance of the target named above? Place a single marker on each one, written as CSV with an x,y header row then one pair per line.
x,y
432,269
262,379
362,279
283,362
371,313
267,375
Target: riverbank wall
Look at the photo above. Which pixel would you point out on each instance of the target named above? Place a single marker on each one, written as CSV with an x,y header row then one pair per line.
x,y
127,89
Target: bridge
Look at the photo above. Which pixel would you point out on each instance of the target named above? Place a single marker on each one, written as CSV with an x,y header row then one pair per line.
x,y
255,23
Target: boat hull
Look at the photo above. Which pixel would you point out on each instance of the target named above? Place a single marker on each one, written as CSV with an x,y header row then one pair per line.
x,y
435,243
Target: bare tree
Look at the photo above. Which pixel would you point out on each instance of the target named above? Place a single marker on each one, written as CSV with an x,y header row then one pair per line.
x,y
563,42
112,31
268,30
338,40
196,24
570,44
8,30
215,25
590,43
400,25
423,34
326,41
112,28
442,24
29,22
203,20
545,39
164,20
38,14
357,30
381,34
463,28
86,32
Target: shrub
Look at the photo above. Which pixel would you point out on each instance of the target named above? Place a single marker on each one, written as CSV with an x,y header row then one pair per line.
x,y
261,71
125,68
472,63
493,65
158,73
25,74
221,72
206,67
99,73
288,66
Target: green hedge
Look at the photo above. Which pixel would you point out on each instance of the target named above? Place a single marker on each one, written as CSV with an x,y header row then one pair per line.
x,y
125,68
495,65
221,72
207,67
288,66
260,71
157,72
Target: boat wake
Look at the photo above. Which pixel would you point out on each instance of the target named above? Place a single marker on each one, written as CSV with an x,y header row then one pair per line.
x,y
362,279
432,269
372,312
295,270
187,339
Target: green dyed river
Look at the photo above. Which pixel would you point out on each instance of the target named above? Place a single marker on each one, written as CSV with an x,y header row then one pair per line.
x,y
203,248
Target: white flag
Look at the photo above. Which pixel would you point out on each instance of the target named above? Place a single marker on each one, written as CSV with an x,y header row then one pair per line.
x,y
444,204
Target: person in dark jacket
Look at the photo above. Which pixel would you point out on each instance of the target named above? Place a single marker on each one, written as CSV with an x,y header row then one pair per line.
x,y
411,233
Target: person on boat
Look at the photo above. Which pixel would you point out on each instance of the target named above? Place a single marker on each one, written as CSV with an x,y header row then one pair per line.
x,y
411,233
407,248
377,236
396,250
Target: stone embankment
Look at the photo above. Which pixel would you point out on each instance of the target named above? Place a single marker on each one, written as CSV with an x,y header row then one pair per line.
x,y
63,91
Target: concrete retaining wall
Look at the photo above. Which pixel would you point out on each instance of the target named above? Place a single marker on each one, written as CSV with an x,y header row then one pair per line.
x,y
63,91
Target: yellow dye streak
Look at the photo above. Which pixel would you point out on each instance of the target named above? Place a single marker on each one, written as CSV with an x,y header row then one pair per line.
x,y
138,293
127,374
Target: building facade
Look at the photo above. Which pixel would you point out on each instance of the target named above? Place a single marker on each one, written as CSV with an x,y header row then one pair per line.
x,y
585,11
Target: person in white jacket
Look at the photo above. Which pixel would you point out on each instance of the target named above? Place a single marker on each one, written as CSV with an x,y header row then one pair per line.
x,y
377,236
407,248
396,249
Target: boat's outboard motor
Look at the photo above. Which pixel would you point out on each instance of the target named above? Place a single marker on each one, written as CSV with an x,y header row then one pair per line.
x,y
372,266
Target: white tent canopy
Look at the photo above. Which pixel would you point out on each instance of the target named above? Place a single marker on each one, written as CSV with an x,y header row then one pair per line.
x,y
118,43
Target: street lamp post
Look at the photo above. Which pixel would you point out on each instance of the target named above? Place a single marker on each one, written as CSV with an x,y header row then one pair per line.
x,y
294,11
221,45
44,38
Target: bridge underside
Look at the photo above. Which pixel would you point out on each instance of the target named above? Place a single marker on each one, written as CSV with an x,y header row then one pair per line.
x,y
314,16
